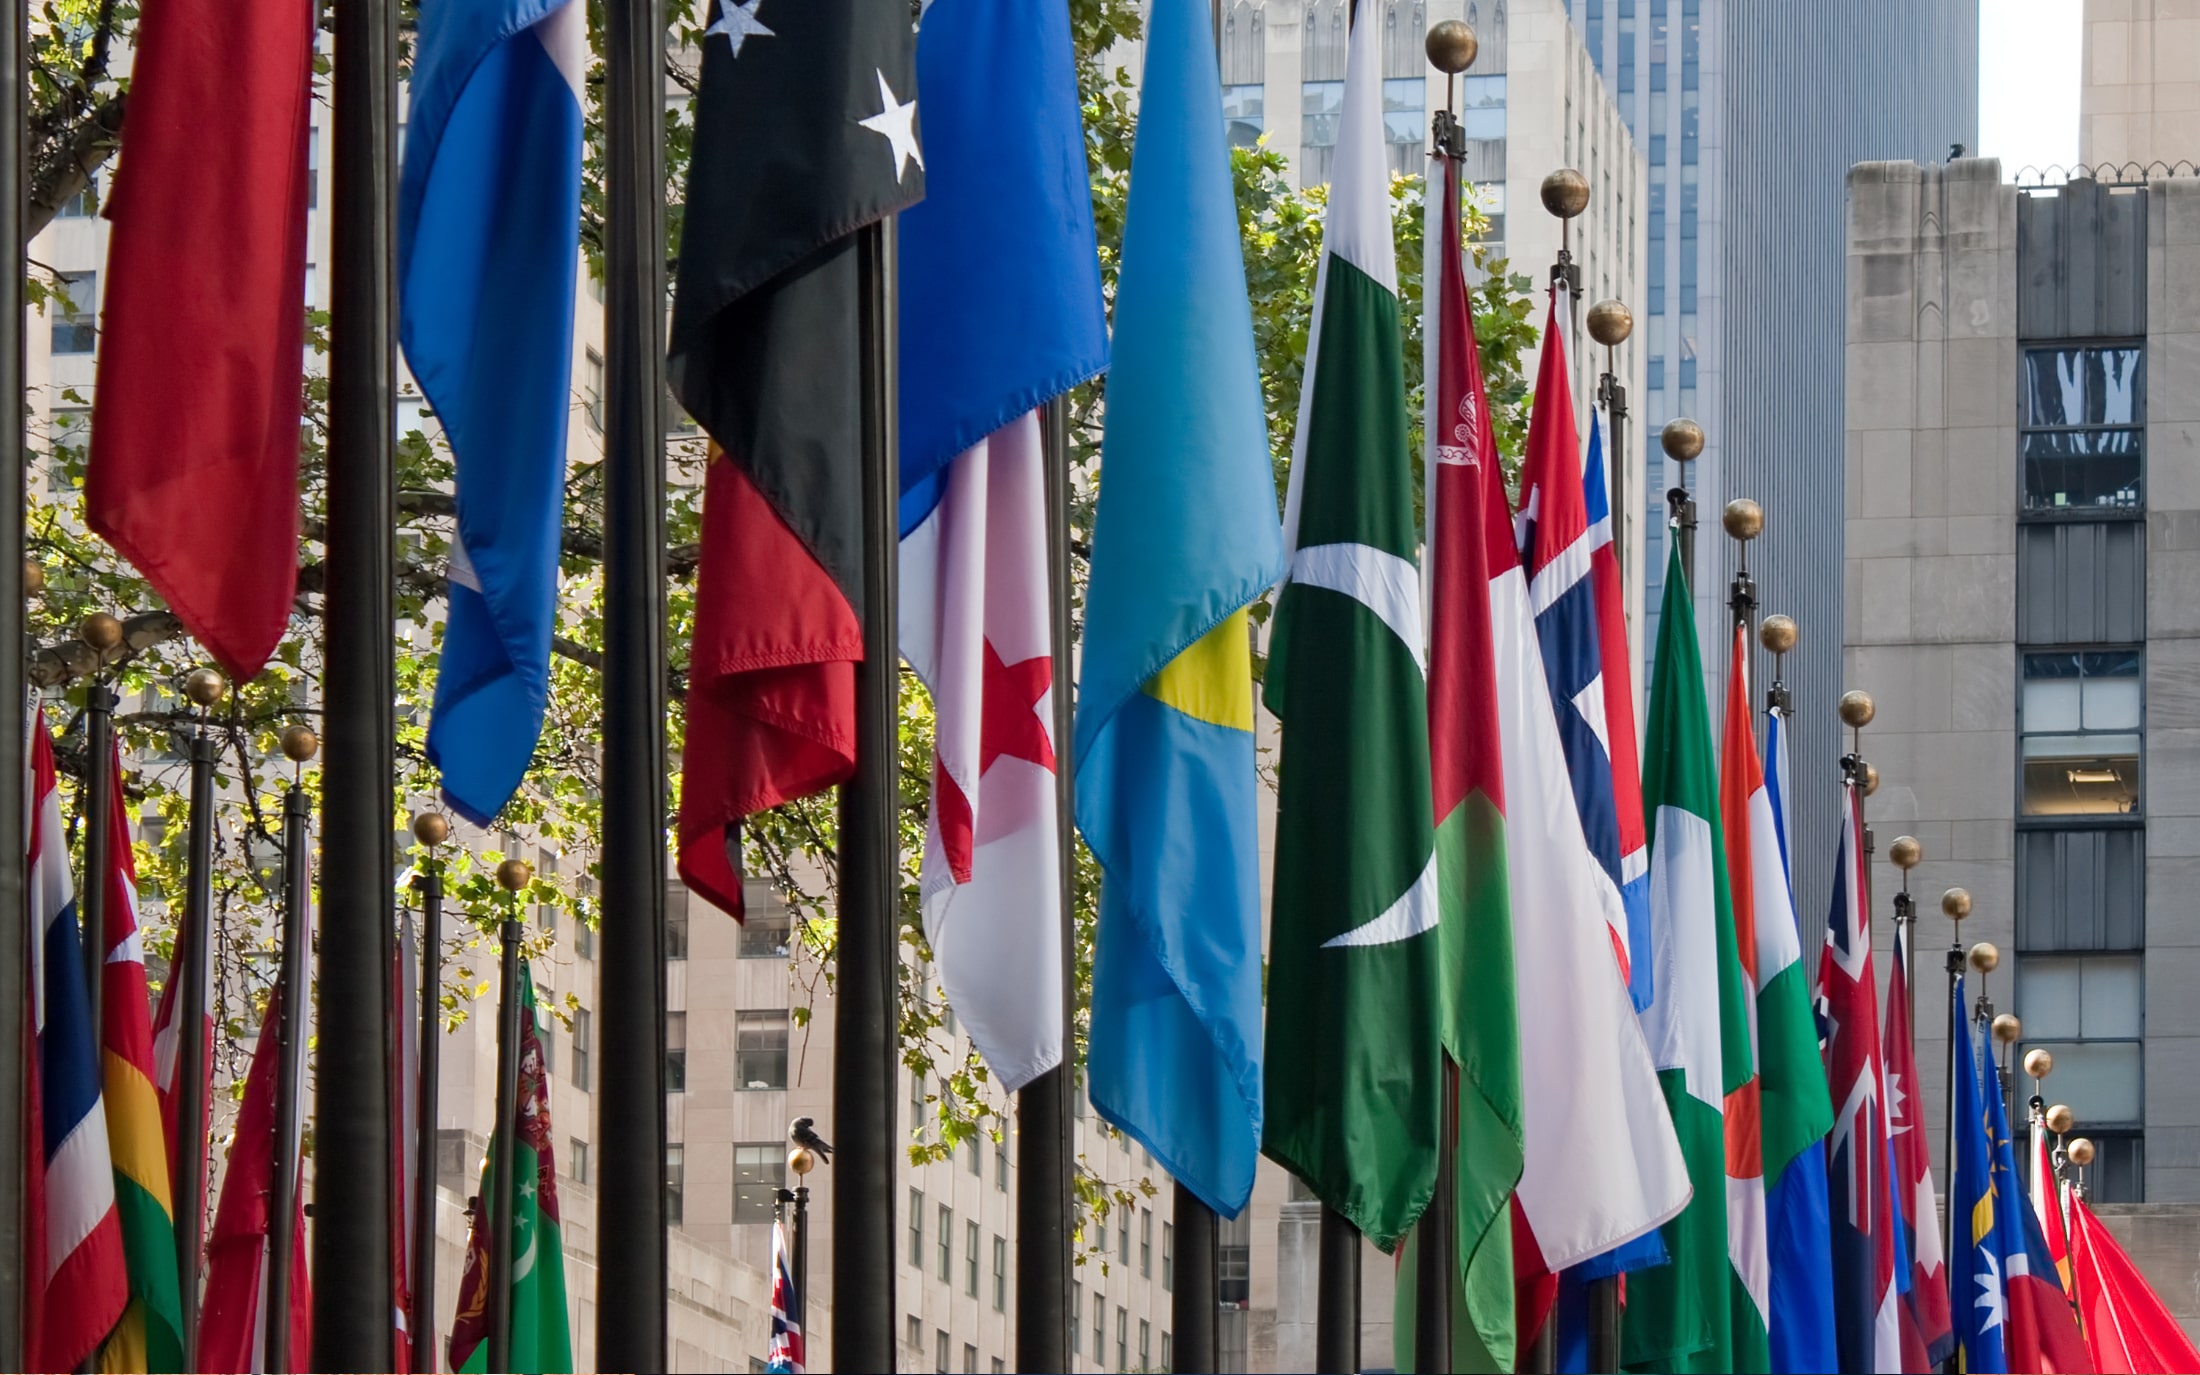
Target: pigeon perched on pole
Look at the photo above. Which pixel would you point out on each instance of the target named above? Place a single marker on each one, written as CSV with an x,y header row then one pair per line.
x,y
802,1132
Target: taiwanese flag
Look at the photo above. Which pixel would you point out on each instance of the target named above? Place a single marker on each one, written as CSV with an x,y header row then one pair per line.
x,y
804,132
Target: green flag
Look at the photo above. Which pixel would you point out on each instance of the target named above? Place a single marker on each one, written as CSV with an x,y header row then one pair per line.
x,y
541,1341
1681,1316
1352,1052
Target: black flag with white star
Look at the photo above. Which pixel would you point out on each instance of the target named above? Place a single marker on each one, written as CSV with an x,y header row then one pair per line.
x,y
805,131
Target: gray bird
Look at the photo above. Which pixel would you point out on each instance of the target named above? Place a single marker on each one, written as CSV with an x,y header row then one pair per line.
x,y
803,1133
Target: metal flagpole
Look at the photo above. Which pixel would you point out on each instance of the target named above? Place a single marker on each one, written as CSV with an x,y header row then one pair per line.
x,y
15,577
102,632
1744,520
194,953
1682,440
430,829
1610,324
1045,1142
1955,904
353,1303
865,1039
631,1280
298,746
1337,1305
512,876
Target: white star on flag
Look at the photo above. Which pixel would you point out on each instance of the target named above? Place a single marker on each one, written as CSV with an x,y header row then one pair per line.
x,y
739,23
898,124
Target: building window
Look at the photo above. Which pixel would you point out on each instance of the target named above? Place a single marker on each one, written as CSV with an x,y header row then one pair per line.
x,y
1145,1243
997,1366
974,1160
1100,1330
913,1332
1691,127
676,928
675,1183
970,1359
1405,122
592,389
940,1349
1234,1260
916,1228
1000,1274
1000,1162
83,204
584,937
75,309
2084,441
583,1034
1123,1239
676,1052
1321,110
947,1242
1145,1344
1242,117
759,1173
576,1159
2081,717
1076,1318
313,168
916,1105
970,1259
764,936
1168,1257
1102,1237
2118,1173
1688,372
2090,1010
760,1049
1482,106
1168,1352
1653,372
1122,1338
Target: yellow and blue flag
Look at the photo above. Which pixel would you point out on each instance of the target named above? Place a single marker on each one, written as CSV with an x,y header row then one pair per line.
x,y
1186,536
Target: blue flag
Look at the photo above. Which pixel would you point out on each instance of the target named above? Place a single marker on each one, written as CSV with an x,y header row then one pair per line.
x,y
488,237
1976,1285
1186,536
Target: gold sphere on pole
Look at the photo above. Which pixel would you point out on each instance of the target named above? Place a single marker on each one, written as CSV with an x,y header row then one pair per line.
x,y
431,828
514,874
204,686
1682,439
2039,1063
1744,519
1857,709
101,631
299,743
1984,956
1906,852
2080,1152
1778,634
1565,193
1610,322
1871,778
801,1159
1956,903
1451,46
2059,1119
34,577
2007,1028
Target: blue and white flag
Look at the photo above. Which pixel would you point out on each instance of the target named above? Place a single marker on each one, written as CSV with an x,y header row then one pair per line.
x,y
488,240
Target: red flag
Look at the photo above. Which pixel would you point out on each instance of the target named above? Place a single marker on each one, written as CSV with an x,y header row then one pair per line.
x,y
2126,1323
194,461
168,1052
1928,1329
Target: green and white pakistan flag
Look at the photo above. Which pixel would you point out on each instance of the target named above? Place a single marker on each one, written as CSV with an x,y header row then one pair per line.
x,y
1681,1316
1352,1052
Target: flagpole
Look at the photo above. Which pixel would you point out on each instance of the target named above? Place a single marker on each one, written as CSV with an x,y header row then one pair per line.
x,y
1337,1304
1610,324
1744,521
1682,440
15,579
103,633
194,953
430,829
299,745
512,876
632,1270
865,1042
351,1215
1955,904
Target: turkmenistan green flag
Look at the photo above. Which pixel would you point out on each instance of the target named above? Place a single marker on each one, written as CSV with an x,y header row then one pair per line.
x,y
1681,1316
541,1340
1352,1053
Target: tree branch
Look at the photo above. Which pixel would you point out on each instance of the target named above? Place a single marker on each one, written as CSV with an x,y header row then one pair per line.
x,y
60,173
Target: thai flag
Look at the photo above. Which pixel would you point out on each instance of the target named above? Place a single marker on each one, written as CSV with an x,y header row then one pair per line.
x,y
1574,591
1000,311
79,1281
786,1350
488,258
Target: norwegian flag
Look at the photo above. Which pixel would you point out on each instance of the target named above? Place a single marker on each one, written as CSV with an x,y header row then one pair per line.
x,y
786,1352
1866,1298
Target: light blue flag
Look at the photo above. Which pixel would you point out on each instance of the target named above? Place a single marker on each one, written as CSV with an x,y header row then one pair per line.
x,y
1186,536
488,238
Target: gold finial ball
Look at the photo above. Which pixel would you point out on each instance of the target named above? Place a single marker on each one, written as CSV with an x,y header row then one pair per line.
x,y
1956,903
1871,778
514,874
1906,852
2080,1151
1682,439
2059,1119
1985,956
1857,709
204,686
1610,322
34,577
2039,1063
431,828
1744,519
801,1159
101,631
2007,1028
1451,46
1565,193
300,743
1778,634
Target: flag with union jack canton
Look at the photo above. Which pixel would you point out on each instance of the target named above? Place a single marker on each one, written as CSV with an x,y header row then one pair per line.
x,y
786,1352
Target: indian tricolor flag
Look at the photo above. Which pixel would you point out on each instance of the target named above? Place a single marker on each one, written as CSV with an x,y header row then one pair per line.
x,y
150,1336
1699,1026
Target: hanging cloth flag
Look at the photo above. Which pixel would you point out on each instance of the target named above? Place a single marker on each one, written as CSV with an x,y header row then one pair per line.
x,y
193,475
805,131
1000,311
233,1325
150,1335
1927,1338
541,1341
2128,1328
786,1348
79,1283
1557,545
1616,660
2050,1202
1185,536
1352,1055
488,243
1867,1325
1695,1311
168,1044
1975,1280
